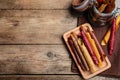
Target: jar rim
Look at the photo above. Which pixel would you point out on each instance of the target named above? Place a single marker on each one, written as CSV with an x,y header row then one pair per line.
x,y
104,14
82,4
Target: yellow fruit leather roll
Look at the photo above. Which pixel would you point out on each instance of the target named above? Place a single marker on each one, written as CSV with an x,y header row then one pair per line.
x,y
95,50
87,56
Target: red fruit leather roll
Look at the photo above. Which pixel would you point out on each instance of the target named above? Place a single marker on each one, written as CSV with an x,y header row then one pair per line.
x,y
100,1
112,37
71,44
87,44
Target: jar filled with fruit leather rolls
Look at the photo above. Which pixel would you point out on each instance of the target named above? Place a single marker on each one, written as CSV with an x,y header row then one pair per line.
x,y
101,13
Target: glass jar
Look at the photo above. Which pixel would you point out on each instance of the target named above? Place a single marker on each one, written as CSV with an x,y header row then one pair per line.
x,y
99,19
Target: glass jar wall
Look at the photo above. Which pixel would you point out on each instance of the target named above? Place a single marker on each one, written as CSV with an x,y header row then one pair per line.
x,y
99,19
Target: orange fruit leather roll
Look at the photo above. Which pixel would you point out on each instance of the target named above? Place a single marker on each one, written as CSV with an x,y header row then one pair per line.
x,y
102,7
94,48
87,55
101,52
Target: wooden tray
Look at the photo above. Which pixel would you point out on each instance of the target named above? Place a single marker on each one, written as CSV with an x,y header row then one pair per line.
x,y
86,74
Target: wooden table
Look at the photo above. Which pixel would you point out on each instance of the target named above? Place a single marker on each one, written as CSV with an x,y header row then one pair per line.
x,y
31,44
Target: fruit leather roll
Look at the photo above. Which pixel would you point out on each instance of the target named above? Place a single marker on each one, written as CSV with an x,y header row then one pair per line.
x,y
94,48
74,38
78,49
102,54
70,42
87,56
87,44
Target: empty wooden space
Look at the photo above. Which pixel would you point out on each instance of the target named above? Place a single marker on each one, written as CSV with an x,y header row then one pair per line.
x,y
34,26
34,59
31,40
35,4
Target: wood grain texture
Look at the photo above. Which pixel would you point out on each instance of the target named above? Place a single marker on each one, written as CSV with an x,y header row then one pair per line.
x,y
34,26
37,59
38,4
35,4
34,59
51,77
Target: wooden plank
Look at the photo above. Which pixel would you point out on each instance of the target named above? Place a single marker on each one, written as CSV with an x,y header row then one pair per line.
x,y
35,4
34,59
52,77
38,4
34,26
37,59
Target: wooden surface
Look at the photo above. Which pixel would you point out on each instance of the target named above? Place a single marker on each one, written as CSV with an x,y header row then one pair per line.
x,y
31,40
34,26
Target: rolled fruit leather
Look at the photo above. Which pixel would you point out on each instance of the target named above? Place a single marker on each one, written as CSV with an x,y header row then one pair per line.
x,y
79,51
87,44
87,56
94,48
70,42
